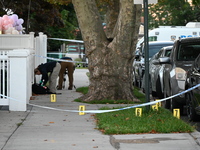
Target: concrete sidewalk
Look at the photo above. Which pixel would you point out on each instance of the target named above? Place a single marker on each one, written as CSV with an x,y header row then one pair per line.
x,y
44,129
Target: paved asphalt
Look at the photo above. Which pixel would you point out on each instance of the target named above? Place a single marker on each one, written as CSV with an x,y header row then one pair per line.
x,y
45,129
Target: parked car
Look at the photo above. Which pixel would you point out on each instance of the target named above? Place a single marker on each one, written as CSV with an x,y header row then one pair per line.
x,y
183,54
193,97
139,66
156,73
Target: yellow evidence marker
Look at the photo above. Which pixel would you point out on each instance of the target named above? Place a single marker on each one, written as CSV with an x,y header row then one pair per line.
x,y
138,112
155,107
81,108
176,113
158,103
53,97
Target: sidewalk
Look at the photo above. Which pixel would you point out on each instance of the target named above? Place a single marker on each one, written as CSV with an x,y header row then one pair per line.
x,y
44,129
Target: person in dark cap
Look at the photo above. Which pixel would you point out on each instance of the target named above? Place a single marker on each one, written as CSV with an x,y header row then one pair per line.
x,y
50,67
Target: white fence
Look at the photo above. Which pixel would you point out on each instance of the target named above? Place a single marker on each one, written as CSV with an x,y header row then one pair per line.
x,y
4,77
18,60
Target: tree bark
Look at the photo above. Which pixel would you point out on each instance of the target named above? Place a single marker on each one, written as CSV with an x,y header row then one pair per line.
x,y
110,55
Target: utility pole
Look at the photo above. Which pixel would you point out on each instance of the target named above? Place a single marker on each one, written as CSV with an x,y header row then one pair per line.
x,y
146,52
146,44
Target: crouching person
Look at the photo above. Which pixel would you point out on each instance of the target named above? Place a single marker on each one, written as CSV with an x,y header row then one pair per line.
x,y
50,67
70,66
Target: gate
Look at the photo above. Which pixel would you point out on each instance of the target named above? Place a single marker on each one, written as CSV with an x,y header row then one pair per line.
x,y
4,78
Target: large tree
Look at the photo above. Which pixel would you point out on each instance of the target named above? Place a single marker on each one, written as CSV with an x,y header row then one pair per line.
x,y
110,52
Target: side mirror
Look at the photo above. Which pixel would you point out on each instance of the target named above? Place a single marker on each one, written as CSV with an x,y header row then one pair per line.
x,y
164,60
155,62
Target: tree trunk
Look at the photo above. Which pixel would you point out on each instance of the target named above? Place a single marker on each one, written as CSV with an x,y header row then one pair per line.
x,y
110,59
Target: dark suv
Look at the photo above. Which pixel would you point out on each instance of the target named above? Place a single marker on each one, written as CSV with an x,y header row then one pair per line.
x,y
183,54
193,97
138,64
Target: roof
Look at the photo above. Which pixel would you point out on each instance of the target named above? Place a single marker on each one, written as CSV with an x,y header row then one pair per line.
x,y
190,40
160,42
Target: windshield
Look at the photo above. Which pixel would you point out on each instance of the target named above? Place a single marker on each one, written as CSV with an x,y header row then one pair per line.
x,y
188,52
153,49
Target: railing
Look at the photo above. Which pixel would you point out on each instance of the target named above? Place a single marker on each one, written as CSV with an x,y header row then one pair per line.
x,y
18,60
4,77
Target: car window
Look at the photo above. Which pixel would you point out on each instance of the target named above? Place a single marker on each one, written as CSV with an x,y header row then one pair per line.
x,y
167,53
197,62
153,49
188,52
159,54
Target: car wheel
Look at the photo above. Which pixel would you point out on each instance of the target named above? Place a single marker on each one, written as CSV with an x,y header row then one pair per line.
x,y
191,113
158,89
153,93
173,103
166,103
135,82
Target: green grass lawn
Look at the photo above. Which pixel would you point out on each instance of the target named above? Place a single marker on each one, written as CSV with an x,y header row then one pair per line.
x,y
126,121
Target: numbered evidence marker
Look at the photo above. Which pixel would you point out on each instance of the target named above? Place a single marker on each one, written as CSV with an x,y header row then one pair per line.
x,y
53,97
155,107
176,113
138,112
81,108
158,103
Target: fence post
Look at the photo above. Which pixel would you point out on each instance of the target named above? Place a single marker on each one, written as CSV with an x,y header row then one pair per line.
x,y
40,50
19,84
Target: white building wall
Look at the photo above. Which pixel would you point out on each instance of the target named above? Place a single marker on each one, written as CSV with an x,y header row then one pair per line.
x,y
22,53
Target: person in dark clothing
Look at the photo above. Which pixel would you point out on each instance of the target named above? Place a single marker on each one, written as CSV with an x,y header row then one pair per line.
x,y
70,66
50,67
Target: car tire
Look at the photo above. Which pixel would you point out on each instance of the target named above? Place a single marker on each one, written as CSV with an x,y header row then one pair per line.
x,y
153,93
135,82
175,105
159,92
191,113
166,103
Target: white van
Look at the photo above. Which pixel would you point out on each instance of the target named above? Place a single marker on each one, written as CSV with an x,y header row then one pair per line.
x,y
172,33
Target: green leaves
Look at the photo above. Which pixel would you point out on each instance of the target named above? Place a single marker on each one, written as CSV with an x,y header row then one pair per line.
x,y
177,13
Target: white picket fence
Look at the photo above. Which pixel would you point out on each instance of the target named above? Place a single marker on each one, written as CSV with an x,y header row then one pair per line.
x,y
18,60
4,77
